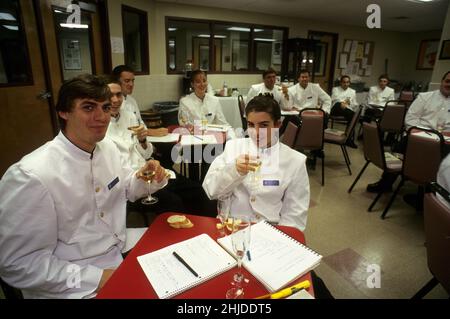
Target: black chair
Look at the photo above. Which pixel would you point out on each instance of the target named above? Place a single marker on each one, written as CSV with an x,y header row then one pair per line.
x,y
437,235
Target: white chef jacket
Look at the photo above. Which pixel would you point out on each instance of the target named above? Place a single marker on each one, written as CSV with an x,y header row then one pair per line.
x,y
283,194
278,95
309,97
63,208
126,142
379,97
130,104
426,110
338,94
196,110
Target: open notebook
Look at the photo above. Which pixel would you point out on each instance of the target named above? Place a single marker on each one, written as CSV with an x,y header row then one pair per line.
x,y
276,259
169,277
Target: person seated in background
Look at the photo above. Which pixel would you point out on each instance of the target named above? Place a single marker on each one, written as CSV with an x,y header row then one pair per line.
x,y
199,106
62,212
281,192
343,100
268,87
377,98
426,111
125,75
181,194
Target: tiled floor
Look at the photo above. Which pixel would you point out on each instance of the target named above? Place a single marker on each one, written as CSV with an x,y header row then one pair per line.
x,y
351,239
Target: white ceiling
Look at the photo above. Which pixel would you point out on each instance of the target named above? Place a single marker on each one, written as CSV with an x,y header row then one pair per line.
x,y
421,16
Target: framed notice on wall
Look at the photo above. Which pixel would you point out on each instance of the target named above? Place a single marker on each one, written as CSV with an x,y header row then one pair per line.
x,y
71,54
358,55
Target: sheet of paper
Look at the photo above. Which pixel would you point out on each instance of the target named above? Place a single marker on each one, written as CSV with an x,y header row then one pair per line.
x,y
367,49
342,60
347,46
117,45
187,140
169,138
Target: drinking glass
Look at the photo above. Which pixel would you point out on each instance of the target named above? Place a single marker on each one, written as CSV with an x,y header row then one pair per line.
x,y
148,176
223,210
255,178
240,239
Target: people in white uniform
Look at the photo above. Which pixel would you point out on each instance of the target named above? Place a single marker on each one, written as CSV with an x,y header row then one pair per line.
x,y
279,190
431,108
308,95
126,76
269,87
426,111
443,177
381,93
198,105
62,212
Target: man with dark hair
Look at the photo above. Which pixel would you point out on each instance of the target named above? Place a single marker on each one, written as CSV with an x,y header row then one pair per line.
x,y
381,93
62,213
343,100
308,95
266,178
268,87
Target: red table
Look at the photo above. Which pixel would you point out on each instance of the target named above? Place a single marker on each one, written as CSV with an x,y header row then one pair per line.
x,y
130,282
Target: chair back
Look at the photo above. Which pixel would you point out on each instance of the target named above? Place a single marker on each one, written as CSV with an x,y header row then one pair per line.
x,y
290,135
437,234
407,97
373,146
353,122
241,105
310,136
423,155
393,117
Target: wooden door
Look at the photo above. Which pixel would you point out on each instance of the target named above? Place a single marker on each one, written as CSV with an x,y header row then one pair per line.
x,y
33,67
325,58
26,120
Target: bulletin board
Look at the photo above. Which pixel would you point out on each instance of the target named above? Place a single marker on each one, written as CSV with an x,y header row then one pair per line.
x,y
356,57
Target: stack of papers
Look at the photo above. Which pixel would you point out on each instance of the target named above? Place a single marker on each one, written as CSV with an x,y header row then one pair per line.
x,y
169,138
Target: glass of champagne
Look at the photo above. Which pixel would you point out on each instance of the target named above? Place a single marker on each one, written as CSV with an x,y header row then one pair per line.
x,y
223,211
240,240
255,177
148,175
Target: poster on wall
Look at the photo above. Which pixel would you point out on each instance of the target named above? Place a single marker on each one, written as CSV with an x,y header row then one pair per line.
x,y
71,54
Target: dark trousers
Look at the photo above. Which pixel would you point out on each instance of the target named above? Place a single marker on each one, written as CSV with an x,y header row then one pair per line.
x,y
346,113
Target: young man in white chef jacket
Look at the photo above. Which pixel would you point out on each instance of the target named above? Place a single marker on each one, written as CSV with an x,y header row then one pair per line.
x,y
281,191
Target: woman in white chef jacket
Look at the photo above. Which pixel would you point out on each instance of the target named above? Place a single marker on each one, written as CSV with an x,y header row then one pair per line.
x,y
281,191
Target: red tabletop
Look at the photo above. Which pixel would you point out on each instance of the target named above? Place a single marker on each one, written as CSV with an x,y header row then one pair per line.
x,y
130,282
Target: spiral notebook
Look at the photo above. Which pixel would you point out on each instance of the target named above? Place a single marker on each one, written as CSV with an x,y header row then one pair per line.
x,y
276,259
169,276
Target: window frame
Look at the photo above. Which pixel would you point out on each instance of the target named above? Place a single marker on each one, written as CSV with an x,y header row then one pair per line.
x,y
30,81
251,48
145,52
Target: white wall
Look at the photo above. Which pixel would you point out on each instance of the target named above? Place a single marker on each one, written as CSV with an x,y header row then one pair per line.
x,y
400,49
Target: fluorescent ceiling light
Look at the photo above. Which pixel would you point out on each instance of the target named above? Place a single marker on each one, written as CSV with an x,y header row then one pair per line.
x,y
243,29
217,36
58,11
172,29
7,16
264,39
11,27
74,26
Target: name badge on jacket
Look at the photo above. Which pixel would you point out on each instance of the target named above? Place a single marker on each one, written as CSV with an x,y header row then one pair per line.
x,y
271,183
113,183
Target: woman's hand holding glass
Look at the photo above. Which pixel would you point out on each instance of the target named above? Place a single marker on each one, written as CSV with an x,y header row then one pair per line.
x,y
240,239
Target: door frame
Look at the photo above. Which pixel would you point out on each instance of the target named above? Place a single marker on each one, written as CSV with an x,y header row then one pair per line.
x,y
335,37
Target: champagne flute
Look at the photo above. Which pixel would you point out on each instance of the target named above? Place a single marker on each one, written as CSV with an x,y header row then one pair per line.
x,y
223,210
148,176
240,239
255,177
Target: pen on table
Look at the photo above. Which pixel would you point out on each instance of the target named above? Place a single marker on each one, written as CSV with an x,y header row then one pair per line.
x,y
248,255
201,139
185,264
287,291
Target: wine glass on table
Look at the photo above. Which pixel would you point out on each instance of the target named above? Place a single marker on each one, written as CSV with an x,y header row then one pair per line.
x,y
148,176
240,240
223,211
255,177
